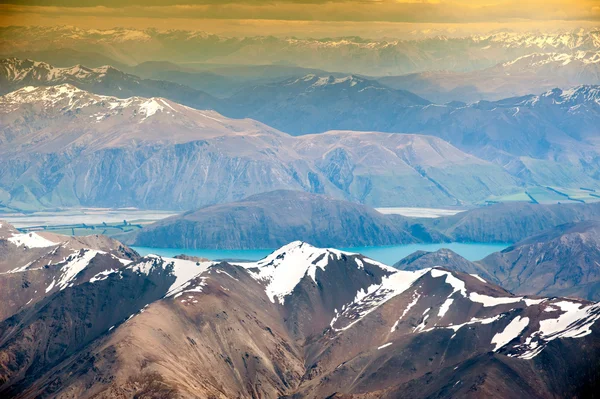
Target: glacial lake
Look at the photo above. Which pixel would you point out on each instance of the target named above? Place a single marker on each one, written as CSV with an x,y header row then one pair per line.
x,y
387,254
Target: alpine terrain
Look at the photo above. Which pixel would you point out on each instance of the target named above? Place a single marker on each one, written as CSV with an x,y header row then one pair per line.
x,y
303,322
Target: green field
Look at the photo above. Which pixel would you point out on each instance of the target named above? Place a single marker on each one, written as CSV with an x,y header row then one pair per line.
x,y
550,195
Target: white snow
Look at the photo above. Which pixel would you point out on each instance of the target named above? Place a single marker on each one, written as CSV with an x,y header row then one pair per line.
x,y
474,320
489,301
421,326
225,273
183,270
531,302
410,305
377,295
457,284
185,289
150,107
575,322
49,288
283,270
444,308
478,278
384,346
75,264
103,275
512,331
31,240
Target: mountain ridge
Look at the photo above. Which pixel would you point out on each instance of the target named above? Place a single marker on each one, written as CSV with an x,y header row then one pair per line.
x,y
129,135
298,324
270,220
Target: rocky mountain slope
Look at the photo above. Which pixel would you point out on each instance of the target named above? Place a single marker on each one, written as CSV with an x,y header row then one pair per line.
x,y
560,262
303,322
511,222
313,104
35,265
447,259
62,146
345,54
272,219
546,139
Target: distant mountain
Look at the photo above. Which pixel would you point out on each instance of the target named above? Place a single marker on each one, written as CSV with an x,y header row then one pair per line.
x,y
447,259
545,139
105,80
66,58
62,146
303,322
511,222
221,80
531,73
560,262
357,55
313,104
268,220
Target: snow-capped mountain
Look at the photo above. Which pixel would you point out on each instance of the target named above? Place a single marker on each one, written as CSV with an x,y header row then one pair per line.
x,y
571,99
102,148
86,119
15,71
531,73
556,60
347,54
304,321
106,80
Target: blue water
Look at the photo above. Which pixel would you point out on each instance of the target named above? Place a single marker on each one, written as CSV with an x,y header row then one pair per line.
x,y
388,255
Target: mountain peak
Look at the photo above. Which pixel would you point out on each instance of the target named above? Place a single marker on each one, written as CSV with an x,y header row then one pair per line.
x,y
283,270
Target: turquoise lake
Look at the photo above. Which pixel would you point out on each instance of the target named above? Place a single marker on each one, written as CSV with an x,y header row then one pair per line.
x,y
388,254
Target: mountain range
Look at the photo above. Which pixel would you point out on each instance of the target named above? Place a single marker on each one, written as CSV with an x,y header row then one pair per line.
x,y
510,222
265,220
62,146
303,322
105,80
531,73
342,54
547,139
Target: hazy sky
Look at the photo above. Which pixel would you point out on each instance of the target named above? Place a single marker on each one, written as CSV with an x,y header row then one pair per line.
x,y
306,17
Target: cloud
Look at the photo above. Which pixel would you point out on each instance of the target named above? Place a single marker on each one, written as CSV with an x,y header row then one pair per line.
x,y
413,11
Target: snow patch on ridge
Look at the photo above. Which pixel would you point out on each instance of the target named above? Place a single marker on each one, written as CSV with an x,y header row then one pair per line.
x,y
512,331
391,286
31,240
